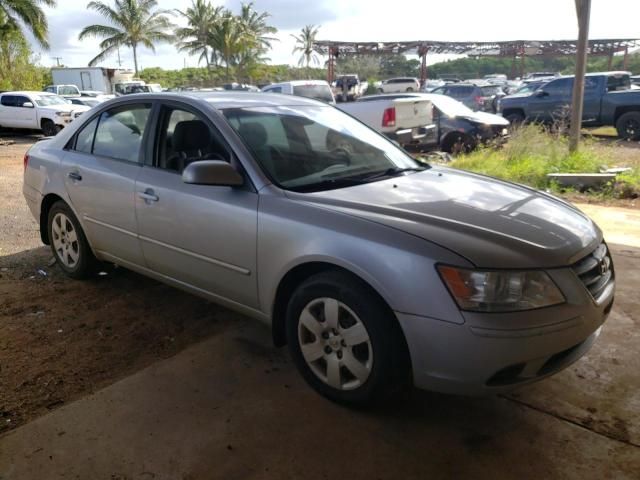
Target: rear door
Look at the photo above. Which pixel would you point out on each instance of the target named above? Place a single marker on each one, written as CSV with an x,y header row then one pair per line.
x,y
199,235
100,169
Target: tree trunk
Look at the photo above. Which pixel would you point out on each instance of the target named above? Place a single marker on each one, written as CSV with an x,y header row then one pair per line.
x,y
135,57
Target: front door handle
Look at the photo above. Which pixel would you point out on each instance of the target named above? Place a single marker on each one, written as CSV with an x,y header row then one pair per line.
x,y
148,196
75,176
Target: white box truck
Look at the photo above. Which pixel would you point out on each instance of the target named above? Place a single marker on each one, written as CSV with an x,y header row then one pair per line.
x,y
96,79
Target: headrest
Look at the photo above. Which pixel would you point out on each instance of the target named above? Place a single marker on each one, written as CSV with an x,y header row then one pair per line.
x,y
191,135
254,134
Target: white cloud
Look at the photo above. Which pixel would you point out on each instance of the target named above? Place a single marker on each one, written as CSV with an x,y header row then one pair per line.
x,y
368,20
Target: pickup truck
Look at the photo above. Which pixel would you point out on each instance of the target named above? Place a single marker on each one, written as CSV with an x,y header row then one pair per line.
x,y
408,121
608,101
354,88
64,90
37,111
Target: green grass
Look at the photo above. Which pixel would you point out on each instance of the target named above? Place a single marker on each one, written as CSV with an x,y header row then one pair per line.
x,y
532,153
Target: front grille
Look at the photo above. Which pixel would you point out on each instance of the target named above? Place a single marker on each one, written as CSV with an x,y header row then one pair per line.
x,y
595,270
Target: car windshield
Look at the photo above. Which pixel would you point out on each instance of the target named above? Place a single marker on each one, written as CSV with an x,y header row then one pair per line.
x,y
313,148
491,90
317,92
49,100
449,106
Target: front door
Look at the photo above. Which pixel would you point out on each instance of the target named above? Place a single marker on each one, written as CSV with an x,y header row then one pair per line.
x,y
100,173
201,236
551,102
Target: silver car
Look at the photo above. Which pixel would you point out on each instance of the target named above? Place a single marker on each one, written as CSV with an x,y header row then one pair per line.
x,y
376,270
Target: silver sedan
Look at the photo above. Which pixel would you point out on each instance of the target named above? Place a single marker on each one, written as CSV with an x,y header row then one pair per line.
x,y
376,270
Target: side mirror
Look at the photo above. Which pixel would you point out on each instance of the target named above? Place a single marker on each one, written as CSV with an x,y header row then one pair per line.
x,y
27,105
212,172
541,93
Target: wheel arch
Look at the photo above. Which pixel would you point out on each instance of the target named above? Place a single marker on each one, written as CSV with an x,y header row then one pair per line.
x,y
619,111
45,206
511,110
294,277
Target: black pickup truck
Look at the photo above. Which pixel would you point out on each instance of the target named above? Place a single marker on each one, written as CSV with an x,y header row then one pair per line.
x,y
608,100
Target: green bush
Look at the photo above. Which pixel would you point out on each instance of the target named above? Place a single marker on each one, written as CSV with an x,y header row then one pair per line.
x,y
533,152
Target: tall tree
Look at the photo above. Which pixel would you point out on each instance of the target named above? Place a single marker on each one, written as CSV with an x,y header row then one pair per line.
x,y
31,14
131,23
256,37
227,39
202,18
304,45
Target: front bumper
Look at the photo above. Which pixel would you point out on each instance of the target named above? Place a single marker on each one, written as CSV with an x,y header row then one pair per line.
x,y
493,353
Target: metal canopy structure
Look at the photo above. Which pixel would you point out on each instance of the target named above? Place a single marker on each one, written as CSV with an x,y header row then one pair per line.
x,y
513,49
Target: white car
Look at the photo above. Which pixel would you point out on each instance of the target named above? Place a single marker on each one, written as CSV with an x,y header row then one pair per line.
x,y
401,84
37,111
316,89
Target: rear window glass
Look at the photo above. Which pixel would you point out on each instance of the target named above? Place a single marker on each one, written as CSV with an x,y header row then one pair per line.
x,y
492,90
120,131
317,92
460,91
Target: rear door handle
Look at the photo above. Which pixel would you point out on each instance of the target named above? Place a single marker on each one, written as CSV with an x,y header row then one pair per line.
x,y
75,176
148,196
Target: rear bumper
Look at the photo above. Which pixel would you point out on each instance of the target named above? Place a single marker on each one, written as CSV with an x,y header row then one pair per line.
x,y
412,136
471,360
33,198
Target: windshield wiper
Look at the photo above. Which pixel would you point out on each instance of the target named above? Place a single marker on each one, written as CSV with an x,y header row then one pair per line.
x,y
392,172
328,184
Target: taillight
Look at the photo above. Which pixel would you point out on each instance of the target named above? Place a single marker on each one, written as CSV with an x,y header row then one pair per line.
x,y
389,117
26,161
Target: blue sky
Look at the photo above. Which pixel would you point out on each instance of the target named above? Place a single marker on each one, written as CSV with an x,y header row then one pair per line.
x,y
366,20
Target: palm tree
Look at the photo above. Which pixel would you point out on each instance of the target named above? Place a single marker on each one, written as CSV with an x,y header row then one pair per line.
x,y
304,44
256,36
194,38
30,13
132,23
227,39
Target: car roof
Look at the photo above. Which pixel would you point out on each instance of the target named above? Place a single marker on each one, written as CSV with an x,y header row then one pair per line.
x,y
227,99
27,92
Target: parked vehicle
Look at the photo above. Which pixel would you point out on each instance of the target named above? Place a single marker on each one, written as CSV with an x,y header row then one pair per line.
x,y
530,87
608,100
431,85
37,111
476,97
63,90
240,87
349,86
99,79
635,80
407,121
537,75
316,89
87,101
458,128
496,78
373,268
400,84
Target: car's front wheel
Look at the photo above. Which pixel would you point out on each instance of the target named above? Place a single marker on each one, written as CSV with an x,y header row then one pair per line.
x,y
345,341
68,242
628,126
49,128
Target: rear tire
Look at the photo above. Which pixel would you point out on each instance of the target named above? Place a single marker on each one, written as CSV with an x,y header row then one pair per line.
x,y
354,349
628,126
409,89
49,128
69,244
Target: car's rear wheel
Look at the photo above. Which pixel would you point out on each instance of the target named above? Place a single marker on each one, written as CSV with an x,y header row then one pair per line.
x,y
410,89
49,128
628,126
515,118
68,242
344,340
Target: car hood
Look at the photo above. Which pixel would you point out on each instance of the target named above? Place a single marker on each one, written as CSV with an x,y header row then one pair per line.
x,y
66,107
487,119
493,224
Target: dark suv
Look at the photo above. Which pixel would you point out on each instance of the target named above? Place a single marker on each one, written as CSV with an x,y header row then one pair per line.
x,y
476,97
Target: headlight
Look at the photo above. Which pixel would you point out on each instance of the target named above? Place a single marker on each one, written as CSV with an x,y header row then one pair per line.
x,y
500,291
63,114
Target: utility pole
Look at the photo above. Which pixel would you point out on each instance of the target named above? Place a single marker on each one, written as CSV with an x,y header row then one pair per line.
x,y
57,59
583,10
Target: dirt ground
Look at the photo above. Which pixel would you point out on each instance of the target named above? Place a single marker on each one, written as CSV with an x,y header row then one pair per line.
x,y
61,339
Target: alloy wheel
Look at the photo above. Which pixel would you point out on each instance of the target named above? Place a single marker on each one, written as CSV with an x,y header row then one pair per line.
x,y
65,240
335,344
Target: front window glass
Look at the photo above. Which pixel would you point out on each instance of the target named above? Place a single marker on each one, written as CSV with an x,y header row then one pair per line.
x,y
312,148
49,100
120,131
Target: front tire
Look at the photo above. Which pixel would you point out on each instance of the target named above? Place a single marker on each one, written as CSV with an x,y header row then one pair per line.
x,y
68,243
345,341
49,128
628,126
515,118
